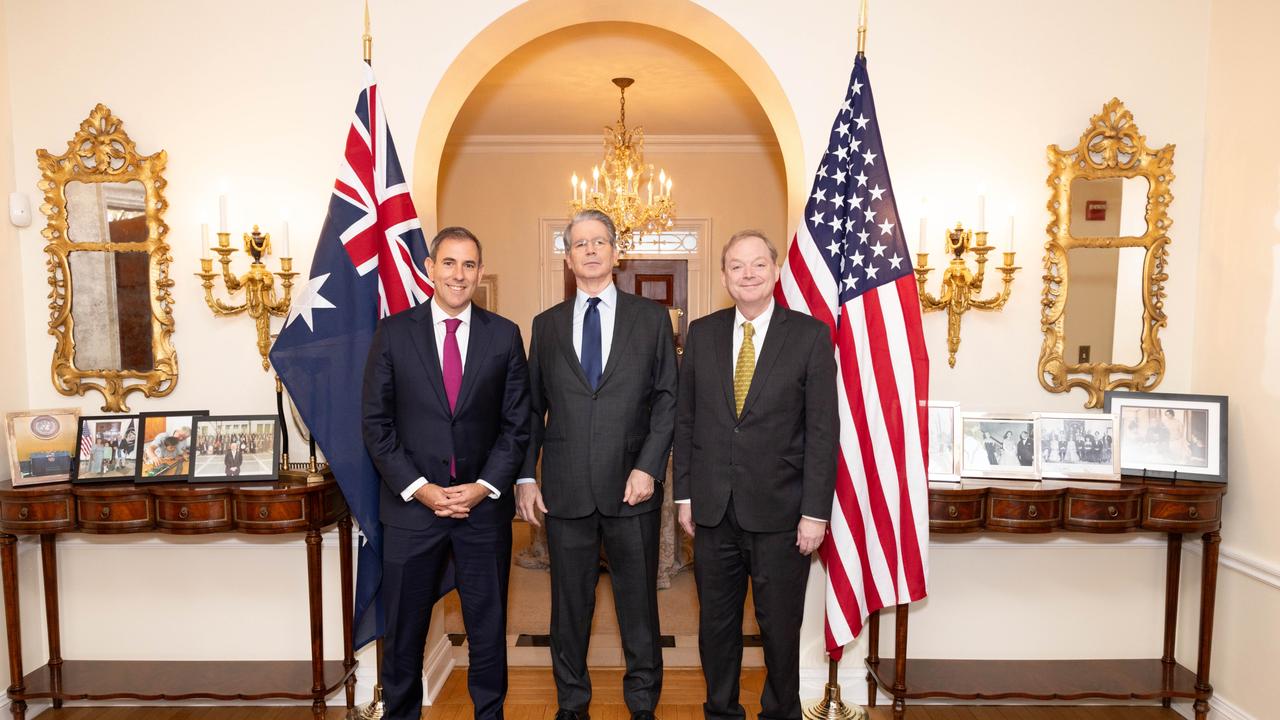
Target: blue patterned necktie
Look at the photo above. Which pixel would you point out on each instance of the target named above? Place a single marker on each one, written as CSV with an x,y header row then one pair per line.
x,y
591,365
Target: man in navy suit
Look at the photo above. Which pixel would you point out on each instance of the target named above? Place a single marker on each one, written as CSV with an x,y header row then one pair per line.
x,y
446,420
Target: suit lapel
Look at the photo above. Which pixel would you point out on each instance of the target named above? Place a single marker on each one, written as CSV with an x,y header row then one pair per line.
x,y
563,322
481,332
424,339
723,338
773,342
623,321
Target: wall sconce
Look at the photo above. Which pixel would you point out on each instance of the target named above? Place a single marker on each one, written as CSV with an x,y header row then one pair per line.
x,y
960,285
260,299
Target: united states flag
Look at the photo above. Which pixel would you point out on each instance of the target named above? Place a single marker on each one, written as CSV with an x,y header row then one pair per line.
x,y
849,266
368,264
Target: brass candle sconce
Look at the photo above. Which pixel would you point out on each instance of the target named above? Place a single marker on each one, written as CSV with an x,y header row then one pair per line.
x,y
962,286
261,300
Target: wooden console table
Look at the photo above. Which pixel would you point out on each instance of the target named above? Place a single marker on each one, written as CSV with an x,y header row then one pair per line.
x,y
1048,507
254,508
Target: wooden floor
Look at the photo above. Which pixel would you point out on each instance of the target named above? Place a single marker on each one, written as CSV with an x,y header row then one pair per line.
x,y
531,696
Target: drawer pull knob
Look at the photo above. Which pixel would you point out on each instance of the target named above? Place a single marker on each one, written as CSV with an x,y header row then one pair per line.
x,y
1112,511
951,511
105,512
24,512
263,512
184,513
1033,512
1193,512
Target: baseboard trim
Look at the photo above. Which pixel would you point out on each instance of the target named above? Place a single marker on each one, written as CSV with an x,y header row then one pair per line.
x,y
1219,709
435,671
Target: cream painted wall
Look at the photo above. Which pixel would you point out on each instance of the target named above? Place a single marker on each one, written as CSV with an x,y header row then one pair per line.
x,y
1237,342
260,95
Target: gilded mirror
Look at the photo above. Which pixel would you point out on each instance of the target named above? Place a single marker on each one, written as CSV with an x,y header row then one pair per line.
x,y
110,309
1106,259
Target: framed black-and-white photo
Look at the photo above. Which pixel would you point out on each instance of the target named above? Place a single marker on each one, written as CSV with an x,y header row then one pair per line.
x,y
236,448
1077,445
107,450
166,451
1167,435
944,428
996,445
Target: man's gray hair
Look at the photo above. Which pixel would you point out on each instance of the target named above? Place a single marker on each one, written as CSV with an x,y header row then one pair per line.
x,y
743,235
584,215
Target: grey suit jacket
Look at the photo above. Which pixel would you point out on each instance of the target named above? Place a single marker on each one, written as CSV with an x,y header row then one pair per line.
x,y
590,441
778,459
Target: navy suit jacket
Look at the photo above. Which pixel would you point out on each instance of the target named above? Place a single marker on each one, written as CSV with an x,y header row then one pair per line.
x,y
409,430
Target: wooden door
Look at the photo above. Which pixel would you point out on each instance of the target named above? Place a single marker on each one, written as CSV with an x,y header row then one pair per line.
x,y
665,282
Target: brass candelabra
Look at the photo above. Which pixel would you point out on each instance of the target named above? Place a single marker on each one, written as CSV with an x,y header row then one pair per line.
x,y
261,301
960,285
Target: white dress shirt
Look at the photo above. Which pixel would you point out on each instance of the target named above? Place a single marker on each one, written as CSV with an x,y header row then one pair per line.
x,y
761,327
463,335
608,309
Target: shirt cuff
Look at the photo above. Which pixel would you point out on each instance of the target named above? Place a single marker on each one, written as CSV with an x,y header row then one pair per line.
x,y
683,502
493,491
808,517
407,495
524,481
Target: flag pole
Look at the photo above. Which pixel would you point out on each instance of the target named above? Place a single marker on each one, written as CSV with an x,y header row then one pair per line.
x,y
862,28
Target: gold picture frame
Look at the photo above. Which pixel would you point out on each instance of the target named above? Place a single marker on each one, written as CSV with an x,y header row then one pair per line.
x,y
487,293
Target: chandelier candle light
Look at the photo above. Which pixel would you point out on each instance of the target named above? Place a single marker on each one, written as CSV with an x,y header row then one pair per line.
x,y
260,299
616,183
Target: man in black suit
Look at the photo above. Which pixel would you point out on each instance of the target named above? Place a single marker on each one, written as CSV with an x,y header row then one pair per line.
x,y
446,420
602,371
755,467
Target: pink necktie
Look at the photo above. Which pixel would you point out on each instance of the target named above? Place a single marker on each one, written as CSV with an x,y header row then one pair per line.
x,y
452,372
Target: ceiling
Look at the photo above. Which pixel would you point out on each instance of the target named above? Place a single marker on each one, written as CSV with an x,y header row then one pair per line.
x,y
559,84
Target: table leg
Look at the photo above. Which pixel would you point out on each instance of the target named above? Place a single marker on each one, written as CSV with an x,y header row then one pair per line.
x,y
317,625
900,663
1172,580
348,606
873,655
1208,595
13,623
49,570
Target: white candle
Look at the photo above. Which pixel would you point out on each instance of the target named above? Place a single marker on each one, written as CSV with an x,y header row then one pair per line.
x,y
204,240
222,213
1012,241
595,179
584,192
924,233
982,213
668,188
284,238
573,183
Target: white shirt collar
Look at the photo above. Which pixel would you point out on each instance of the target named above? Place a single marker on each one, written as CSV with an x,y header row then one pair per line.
x,y
439,315
608,296
760,323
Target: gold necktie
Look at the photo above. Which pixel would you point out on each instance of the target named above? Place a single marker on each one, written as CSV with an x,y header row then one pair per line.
x,y
745,368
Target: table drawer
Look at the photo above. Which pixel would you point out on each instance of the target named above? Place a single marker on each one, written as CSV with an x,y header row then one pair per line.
x,y
1103,514
194,515
43,515
1010,512
271,514
127,514
1174,514
956,515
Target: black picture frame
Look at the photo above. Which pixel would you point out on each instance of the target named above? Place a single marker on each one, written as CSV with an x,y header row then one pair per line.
x,y
109,453
213,463
1141,457
145,474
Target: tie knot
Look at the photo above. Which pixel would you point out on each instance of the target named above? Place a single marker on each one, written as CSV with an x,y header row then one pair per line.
x,y
748,330
452,324
592,303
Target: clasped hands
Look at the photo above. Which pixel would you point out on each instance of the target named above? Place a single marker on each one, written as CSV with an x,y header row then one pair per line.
x,y
451,502
809,533
529,496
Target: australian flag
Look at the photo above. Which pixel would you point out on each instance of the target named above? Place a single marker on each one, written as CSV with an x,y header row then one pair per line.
x,y
368,264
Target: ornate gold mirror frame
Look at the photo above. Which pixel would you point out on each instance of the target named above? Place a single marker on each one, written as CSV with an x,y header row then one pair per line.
x,y
101,152
1112,147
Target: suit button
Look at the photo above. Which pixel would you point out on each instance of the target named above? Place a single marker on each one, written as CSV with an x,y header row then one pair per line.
x,y
595,395
444,462
737,430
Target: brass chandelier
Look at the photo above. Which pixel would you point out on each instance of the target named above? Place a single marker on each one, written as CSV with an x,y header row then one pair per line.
x,y
616,182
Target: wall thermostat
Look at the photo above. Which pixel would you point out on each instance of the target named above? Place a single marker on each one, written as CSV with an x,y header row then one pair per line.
x,y
19,209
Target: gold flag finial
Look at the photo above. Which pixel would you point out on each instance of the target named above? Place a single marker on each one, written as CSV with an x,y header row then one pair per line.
x,y
862,28
367,38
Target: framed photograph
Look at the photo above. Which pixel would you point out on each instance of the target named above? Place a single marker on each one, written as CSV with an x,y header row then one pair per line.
x,y
42,444
166,451
487,293
944,429
107,450
994,445
1166,435
1078,445
236,448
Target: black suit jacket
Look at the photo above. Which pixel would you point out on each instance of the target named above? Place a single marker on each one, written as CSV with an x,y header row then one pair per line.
x,y
591,440
778,460
409,430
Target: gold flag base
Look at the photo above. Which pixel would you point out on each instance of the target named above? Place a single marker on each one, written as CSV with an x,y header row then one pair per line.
x,y
831,707
375,709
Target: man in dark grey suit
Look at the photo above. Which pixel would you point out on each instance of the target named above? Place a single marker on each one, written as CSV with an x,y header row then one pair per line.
x,y
755,466
602,371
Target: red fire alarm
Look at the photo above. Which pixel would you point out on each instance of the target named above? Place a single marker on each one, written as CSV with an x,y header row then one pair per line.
x,y
1095,210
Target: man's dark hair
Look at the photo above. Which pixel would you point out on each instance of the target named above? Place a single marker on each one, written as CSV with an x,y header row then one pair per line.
x,y
456,232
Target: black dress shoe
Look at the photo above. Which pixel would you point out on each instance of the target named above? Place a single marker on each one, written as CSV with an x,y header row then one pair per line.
x,y
642,715
571,715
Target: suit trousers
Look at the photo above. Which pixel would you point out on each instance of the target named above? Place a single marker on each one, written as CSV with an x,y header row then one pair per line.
x,y
414,564
631,544
725,556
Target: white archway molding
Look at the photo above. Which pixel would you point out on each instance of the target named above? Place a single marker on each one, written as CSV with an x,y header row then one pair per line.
x,y
535,18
